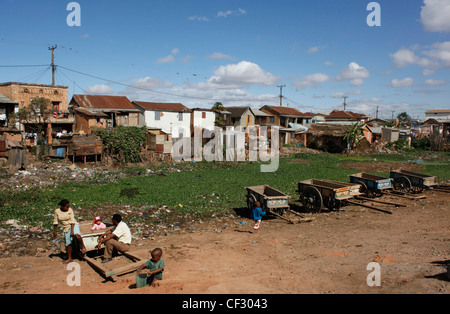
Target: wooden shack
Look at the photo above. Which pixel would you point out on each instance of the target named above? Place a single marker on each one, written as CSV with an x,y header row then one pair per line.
x,y
159,141
13,152
84,146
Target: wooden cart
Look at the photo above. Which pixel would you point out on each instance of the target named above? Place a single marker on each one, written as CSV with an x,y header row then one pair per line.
x,y
272,200
411,182
90,241
371,184
315,194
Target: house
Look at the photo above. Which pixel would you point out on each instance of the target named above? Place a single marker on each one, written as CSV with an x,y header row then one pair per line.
x,y
100,111
203,118
241,116
293,123
345,117
285,115
23,93
165,116
372,133
440,115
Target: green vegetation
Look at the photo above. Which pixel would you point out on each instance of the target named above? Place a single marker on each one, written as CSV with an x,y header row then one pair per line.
x,y
198,187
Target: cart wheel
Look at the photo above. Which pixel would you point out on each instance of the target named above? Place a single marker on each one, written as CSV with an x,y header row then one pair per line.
x,y
402,184
332,204
312,199
363,188
377,193
417,189
251,200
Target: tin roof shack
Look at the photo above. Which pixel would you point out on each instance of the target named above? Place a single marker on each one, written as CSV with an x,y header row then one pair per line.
x,y
327,137
84,145
95,111
13,153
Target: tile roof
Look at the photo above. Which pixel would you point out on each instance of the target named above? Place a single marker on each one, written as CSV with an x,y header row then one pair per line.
x,y
339,114
284,111
162,106
104,102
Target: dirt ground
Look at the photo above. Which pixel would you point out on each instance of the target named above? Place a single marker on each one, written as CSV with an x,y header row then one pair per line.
x,y
328,255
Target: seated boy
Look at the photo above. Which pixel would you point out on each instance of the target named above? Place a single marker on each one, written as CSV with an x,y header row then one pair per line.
x,y
156,267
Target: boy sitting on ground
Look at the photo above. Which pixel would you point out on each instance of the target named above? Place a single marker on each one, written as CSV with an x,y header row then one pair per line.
x,y
156,267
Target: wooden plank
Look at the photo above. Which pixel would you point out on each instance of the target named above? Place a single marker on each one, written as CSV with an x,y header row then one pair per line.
x,y
124,269
96,265
281,217
371,207
381,202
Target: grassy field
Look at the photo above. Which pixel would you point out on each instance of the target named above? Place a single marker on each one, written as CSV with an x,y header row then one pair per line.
x,y
200,187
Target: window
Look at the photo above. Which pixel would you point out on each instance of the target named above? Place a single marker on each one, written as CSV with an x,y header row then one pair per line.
x,y
180,116
157,115
272,119
203,115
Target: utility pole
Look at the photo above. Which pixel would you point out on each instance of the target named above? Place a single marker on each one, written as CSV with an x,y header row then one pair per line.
x,y
281,94
53,63
377,112
345,104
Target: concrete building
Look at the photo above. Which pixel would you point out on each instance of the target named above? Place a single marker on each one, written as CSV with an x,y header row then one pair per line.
x,y
165,116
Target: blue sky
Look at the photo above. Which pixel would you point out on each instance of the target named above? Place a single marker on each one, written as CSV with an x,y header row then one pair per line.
x,y
198,52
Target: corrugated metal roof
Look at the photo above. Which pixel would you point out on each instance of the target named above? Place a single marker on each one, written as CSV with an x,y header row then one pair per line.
x,y
6,100
162,106
104,102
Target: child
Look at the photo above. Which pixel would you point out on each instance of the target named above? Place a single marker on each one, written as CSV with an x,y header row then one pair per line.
x,y
156,266
257,214
98,224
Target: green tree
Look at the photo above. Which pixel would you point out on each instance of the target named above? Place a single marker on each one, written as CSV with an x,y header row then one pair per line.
x,y
404,119
217,108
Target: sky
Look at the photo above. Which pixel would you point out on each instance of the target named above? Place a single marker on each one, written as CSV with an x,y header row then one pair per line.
x,y
198,52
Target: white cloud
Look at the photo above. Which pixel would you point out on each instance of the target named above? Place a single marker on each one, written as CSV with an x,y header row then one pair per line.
x,y
405,57
427,72
313,49
435,82
219,56
354,73
101,89
328,63
242,74
198,18
440,53
435,15
170,58
311,80
402,83
228,13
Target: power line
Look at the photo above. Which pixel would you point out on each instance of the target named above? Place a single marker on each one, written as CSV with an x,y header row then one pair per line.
x,y
23,66
164,93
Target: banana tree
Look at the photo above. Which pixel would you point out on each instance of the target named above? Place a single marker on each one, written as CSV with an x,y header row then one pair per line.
x,y
354,134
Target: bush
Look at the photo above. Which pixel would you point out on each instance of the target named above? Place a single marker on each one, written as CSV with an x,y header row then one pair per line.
x,y
124,143
422,144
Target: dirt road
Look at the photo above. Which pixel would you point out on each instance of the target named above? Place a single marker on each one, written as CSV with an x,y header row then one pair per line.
x,y
328,255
